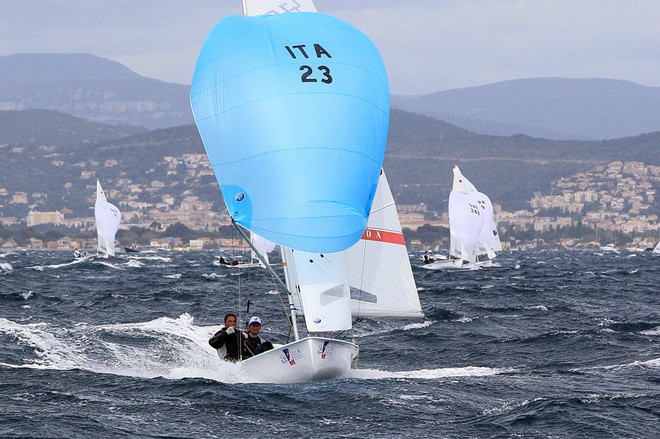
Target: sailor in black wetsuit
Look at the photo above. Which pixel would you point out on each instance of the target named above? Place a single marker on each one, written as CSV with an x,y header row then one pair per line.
x,y
253,344
228,337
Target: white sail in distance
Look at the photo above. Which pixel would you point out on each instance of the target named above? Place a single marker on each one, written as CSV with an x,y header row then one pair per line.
x,y
108,219
472,228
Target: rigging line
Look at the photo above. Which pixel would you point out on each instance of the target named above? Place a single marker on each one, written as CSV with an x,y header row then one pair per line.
x,y
361,290
284,307
239,309
292,310
268,267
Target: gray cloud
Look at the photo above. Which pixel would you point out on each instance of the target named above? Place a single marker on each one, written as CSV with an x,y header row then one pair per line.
x,y
427,45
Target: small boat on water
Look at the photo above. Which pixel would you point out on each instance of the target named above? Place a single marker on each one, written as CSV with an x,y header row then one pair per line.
x,y
259,246
610,248
473,235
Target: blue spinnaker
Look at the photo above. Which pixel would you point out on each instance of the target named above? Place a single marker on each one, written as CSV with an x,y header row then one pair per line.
x,y
293,110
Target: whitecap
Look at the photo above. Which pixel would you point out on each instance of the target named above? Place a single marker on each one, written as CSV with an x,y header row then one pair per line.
x,y
173,349
509,406
426,374
424,324
654,331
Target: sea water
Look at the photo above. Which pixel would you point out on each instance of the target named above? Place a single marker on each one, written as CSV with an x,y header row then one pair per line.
x,y
544,344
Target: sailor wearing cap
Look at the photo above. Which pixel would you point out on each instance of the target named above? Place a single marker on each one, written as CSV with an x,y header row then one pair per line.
x,y
254,345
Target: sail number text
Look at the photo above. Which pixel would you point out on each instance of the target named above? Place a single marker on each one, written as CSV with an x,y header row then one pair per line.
x,y
311,74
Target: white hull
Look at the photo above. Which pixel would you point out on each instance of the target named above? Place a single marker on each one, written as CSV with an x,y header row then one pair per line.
x,y
485,263
448,264
241,265
308,359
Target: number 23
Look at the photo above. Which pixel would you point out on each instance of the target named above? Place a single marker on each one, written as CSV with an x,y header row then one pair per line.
x,y
307,72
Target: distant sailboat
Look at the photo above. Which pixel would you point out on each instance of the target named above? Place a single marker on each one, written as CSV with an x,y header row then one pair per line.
x,y
260,246
473,235
108,219
294,119
610,248
656,250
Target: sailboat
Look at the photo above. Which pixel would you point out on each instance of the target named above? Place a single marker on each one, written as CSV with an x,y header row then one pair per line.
x,y
473,234
108,219
260,246
656,249
302,101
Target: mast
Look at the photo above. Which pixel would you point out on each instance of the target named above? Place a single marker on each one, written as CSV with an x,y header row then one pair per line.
x,y
292,308
244,7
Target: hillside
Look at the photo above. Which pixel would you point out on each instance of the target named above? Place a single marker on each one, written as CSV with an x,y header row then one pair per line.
x,y
93,88
553,108
421,152
46,127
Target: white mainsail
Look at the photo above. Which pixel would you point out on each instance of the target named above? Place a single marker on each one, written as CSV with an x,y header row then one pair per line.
x,y
108,219
268,7
381,278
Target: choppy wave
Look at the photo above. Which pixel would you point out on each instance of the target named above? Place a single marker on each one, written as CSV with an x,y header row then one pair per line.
x,y
562,348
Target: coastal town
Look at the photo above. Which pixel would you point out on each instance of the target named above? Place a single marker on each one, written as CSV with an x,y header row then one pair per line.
x,y
617,199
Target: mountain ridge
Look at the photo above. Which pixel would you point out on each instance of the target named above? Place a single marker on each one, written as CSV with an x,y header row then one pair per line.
x,y
582,109
106,91
92,88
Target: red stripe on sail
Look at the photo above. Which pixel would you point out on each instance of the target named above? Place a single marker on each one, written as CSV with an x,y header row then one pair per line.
x,y
383,236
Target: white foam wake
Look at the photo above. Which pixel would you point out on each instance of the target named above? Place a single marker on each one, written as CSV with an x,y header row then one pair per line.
x,y
426,374
164,347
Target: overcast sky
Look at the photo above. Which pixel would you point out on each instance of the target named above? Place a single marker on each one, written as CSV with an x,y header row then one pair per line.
x,y
427,45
